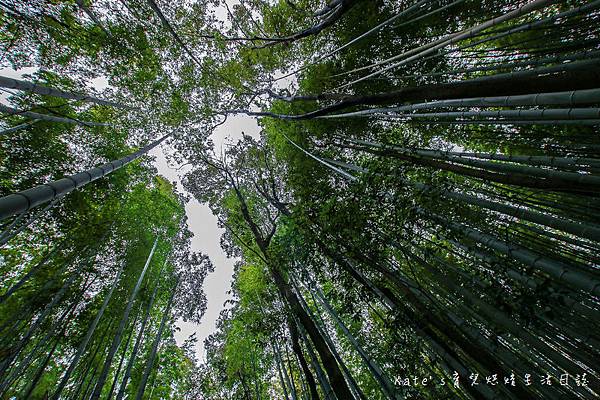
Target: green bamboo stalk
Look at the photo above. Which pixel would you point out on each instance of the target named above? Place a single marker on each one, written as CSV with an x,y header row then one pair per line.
x,y
87,337
358,38
157,339
139,338
557,270
357,392
581,229
18,127
421,51
512,66
576,178
12,83
386,385
537,99
118,336
25,200
45,117
555,114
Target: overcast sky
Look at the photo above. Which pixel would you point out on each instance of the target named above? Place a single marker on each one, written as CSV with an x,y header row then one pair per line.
x,y
203,224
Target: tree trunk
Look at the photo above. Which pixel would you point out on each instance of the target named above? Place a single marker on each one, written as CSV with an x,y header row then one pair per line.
x,y
8,234
535,99
447,40
331,367
117,339
138,341
17,128
6,363
47,91
279,363
555,269
46,117
87,337
123,354
386,385
521,180
20,202
171,30
150,363
426,321
334,15
352,382
310,379
83,374
44,365
576,75
328,391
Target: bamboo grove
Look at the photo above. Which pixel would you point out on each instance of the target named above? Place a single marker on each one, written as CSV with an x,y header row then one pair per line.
x,y
89,280
417,219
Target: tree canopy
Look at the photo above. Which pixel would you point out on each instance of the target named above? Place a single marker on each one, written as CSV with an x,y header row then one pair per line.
x,y
418,217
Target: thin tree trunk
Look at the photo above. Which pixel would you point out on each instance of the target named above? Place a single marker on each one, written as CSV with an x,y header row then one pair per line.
x,y
386,385
577,75
171,30
455,37
580,229
6,363
138,340
45,117
325,385
92,16
331,367
422,317
245,387
284,384
8,234
35,269
44,90
87,337
20,202
21,367
335,14
44,365
285,372
358,38
499,318
310,379
569,98
556,269
117,339
291,372
447,40
123,354
157,339
17,128
353,384
510,178
80,378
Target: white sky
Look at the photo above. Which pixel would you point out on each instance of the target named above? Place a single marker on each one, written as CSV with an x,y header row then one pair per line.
x,y
203,224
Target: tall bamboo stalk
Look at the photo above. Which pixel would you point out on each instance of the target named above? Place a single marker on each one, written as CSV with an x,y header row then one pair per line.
x,y
12,83
117,338
45,117
25,200
157,339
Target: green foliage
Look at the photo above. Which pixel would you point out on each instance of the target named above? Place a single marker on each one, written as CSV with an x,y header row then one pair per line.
x,y
435,250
